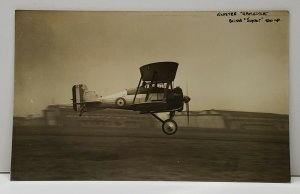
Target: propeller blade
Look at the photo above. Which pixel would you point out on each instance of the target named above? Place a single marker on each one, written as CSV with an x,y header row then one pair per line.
x,y
186,100
188,112
187,88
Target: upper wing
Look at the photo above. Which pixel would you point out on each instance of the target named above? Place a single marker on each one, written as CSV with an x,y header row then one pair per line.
x,y
159,71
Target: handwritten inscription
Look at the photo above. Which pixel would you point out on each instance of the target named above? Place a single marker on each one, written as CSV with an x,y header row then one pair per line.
x,y
248,17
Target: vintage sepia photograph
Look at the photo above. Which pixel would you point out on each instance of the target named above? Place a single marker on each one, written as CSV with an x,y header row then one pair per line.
x,y
151,96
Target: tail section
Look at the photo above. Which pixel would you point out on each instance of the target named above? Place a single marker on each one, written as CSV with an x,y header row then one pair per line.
x,y
78,96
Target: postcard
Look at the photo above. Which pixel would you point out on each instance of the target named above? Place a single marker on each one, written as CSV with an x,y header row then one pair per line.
x,y
151,96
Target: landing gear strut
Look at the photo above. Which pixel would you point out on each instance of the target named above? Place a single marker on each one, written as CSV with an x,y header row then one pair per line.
x,y
169,126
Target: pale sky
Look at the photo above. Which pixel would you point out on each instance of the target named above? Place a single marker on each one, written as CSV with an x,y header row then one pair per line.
x,y
227,66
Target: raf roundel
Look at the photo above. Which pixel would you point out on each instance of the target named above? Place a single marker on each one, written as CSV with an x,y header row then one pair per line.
x,y
120,102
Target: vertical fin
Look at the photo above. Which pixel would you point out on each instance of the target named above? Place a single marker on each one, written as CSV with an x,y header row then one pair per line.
x,y
74,98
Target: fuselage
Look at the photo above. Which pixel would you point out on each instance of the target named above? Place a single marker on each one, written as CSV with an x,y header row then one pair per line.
x,y
146,100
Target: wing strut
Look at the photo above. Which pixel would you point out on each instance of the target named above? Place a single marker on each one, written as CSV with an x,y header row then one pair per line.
x,y
137,89
150,86
165,92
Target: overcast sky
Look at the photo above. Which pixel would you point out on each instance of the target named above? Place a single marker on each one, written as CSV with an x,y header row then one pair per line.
x,y
228,66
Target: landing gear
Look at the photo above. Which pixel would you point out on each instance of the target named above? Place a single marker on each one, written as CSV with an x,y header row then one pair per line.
x,y
169,126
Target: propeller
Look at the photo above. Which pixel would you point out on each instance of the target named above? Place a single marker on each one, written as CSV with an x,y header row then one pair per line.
x,y
186,100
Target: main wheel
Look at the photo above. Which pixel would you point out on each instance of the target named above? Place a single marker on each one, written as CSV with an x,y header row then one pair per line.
x,y
169,127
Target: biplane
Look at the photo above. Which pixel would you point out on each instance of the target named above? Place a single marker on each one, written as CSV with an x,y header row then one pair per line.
x,y
155,93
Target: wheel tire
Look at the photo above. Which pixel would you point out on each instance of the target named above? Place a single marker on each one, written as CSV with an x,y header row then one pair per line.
x,y
120,102
169,127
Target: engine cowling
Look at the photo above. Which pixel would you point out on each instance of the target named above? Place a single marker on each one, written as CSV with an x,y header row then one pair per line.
x,y
175,99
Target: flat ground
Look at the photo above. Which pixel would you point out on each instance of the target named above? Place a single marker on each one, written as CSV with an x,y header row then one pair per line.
x,y
56,153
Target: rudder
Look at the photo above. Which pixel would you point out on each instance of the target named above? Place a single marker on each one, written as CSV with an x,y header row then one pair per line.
x,y
77,96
